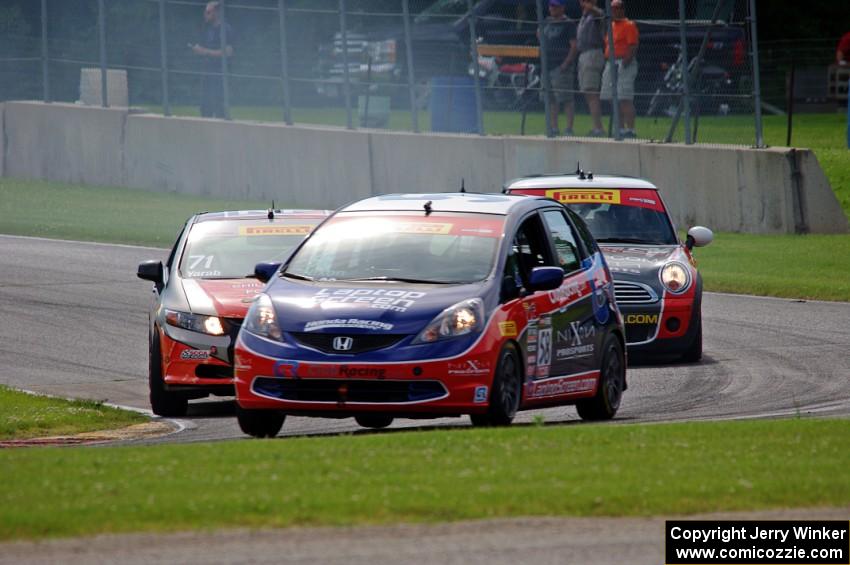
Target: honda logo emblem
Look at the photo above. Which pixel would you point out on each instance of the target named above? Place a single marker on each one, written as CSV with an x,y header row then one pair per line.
x,y
343,343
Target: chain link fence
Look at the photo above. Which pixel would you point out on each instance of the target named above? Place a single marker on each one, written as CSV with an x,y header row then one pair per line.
x,y
680,70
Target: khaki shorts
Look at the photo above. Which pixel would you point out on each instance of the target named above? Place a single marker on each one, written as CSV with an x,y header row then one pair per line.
x,y
562,84
590,65
626,76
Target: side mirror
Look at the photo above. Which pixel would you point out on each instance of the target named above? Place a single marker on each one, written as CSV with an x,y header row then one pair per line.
x,y
545,278
699,236
150,271
265,271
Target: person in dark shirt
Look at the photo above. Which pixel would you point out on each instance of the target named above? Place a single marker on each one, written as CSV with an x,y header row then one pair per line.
x,y
561,53
590,39
212,84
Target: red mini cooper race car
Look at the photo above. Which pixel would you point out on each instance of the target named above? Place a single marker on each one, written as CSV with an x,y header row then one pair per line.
x,y
427,305
201,295
656,281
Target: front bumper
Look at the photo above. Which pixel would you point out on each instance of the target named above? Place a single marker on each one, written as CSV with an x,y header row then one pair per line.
x,y
659,328
196,367
412,388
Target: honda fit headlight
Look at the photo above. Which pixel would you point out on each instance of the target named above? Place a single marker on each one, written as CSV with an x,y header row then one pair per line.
x,y
461,319
262,320
675,277
210,325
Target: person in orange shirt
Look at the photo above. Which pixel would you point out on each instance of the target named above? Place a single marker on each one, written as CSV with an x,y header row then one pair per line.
x,y
626,39
842,55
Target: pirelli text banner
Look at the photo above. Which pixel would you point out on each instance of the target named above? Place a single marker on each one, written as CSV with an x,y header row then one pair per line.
x,y
757,542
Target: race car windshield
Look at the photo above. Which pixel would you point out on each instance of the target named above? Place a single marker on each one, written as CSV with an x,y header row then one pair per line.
x,y
229,249
616,223
412,248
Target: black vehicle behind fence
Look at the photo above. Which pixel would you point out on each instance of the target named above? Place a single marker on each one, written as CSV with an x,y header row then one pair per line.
x,y
506,29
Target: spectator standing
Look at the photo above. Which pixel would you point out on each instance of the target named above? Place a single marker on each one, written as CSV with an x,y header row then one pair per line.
x,y
591,60
842,55
626,39
561,54
212,84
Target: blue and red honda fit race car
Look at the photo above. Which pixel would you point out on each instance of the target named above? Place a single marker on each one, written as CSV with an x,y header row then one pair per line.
x,y
202,293
429,305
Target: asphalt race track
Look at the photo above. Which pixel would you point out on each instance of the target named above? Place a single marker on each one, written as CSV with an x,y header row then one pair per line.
x,y
75,322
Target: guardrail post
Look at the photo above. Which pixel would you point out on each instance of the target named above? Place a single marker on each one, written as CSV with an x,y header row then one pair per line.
x,y
163,59
614,76
225,85
45,72
101,34
473,50
411,77
284,64
349,122
756,74
686,72
544,66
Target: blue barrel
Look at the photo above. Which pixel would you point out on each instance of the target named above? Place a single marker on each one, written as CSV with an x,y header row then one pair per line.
x,y
453,104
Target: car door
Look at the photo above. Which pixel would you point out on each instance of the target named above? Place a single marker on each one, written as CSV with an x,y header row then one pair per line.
x,y
530,248
575,331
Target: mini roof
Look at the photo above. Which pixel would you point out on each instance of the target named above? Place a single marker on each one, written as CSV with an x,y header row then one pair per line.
x,y
574,181
261,215
491,203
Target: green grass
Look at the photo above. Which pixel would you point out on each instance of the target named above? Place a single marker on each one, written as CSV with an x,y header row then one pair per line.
x,y
114,215
442,475
788,266
25,416
812,266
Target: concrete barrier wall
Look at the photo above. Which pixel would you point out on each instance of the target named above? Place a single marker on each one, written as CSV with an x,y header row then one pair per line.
x,y
725,188
297,167
2,140
407,162
65,142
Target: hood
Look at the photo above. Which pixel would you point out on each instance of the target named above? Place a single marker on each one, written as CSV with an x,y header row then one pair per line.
x,y
358,308
228,298
629,261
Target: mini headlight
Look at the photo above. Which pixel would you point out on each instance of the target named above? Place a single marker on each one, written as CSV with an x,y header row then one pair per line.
x,y
461,319
194,322
261,319
675,277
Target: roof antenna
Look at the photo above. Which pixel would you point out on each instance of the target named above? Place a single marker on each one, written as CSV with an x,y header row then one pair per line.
x,y
581,175
590,175
271,212
427,208
462,187
578,167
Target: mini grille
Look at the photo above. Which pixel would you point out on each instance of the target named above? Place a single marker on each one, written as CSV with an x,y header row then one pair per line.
x,y
633,293
361,342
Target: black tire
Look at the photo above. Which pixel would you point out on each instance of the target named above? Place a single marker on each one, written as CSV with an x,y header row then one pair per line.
x,y
260,423
375,421
694,351
506,391
163,402
612,379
